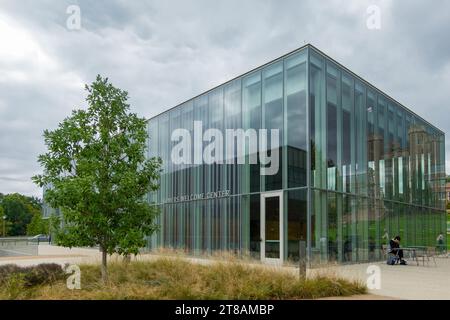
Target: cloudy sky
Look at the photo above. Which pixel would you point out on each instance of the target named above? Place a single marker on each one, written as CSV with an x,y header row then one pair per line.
x,y
164,52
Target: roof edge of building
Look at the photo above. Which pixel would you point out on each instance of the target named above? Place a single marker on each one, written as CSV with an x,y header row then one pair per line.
x,y
288,54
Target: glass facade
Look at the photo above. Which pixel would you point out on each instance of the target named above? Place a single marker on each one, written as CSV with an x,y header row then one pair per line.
x,y
356,168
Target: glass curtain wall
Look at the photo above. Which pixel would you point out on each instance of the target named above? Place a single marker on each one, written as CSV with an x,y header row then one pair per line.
x,y
376,169
192,218
366,167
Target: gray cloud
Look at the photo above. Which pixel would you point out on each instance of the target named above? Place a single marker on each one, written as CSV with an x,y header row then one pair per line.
x,y
164,52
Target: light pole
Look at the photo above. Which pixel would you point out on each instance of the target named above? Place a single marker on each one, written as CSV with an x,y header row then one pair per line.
x,y
4,226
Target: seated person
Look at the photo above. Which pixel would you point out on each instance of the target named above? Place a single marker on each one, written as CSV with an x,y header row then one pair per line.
x,y
395,245
440,243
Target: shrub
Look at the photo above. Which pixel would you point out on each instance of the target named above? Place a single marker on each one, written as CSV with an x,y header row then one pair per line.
x,y
47,273
14,285
176,279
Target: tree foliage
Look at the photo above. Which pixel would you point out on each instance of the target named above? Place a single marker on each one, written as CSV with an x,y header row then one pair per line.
x,y
98,174
5,225
38,225
19,210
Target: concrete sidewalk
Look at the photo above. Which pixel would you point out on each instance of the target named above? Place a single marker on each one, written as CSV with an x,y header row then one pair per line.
x,y
427,282
54,254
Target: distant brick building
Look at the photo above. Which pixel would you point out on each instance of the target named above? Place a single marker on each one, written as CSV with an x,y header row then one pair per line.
x,y
447,191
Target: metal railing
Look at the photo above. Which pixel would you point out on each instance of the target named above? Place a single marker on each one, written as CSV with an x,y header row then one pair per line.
x,y
18,246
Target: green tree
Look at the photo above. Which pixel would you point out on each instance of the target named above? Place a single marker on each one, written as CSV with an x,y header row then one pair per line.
x,y
99,175
5,225
38,225
19,210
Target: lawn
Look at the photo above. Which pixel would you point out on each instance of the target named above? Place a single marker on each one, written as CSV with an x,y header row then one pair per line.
x,y
177,279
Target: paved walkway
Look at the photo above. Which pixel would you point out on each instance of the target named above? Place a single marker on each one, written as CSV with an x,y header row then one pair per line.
x,y
397,282
53,254
406,282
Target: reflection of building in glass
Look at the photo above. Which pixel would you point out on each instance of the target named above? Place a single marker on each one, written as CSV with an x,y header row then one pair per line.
x,y
447,191
356,168
48,211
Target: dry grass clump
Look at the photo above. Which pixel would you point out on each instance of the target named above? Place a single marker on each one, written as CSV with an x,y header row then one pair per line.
x,y
19,282
169,278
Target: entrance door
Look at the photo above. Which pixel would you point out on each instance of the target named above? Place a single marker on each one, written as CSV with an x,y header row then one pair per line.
x,y
272,227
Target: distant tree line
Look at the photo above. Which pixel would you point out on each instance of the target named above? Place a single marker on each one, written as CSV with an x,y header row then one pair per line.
x,y
23,215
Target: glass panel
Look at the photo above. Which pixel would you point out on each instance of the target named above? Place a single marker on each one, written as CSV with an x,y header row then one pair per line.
x,y
380,139
373,231
233,120
216,230
200,170
152,152
251,109
348,136
348,228
317,121
297,222
331,146
389,160
187,118
362,229
372,145
164,143
361,138
175,169
255,225
295,73
215,121
273,115
272,213
332,228
319,241
332,127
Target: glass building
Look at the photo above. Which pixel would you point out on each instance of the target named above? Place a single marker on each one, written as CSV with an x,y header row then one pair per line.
x,y
356,168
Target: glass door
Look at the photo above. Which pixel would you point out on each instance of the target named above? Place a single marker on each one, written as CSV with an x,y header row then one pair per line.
x,y
272,227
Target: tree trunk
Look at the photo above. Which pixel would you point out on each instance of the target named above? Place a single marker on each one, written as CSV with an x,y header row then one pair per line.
x,y
104,266
127,258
